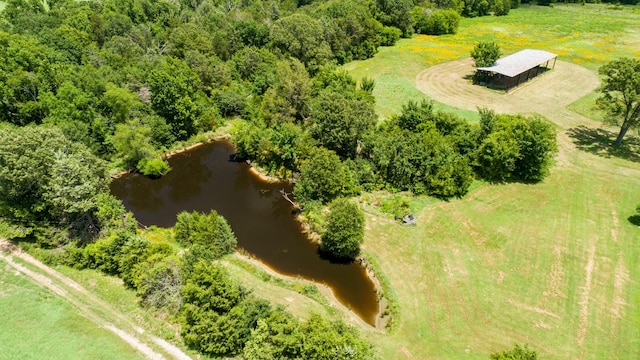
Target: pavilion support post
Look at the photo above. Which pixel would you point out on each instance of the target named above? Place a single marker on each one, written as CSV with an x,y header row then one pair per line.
x,y
554,62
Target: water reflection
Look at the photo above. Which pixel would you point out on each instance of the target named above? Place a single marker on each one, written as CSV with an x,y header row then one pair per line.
x,y
204,178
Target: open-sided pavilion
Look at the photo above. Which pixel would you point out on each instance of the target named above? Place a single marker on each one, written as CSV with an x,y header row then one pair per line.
x,y
512,70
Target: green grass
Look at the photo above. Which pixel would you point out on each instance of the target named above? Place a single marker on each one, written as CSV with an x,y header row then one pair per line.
x,y
554,264
37,324
112,290
589,35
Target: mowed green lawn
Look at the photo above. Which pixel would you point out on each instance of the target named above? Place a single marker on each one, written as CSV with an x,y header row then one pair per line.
x,y
37,324
556,264
588,35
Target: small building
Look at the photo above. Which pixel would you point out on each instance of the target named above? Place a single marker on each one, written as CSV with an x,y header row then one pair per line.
x,y
510,71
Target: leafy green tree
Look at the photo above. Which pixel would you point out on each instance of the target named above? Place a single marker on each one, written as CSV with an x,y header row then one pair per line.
x,y
73,184
517,148
302,37
159,283
538,146
438,22
339,123
257,66
345,230
25,73
210,230
414,117
517,353
132,141
324,340
44,175
120,102
621,94
485,53
323,177
189,37
173,96
210,288
209,321
497,155
277,336
501,7
350,29
287,101
396,13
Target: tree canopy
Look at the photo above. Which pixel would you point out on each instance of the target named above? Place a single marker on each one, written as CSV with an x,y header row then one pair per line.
x,y
345,230
621,94
485,53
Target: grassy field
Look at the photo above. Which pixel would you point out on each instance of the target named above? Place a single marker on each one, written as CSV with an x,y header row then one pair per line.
x,y
555,264
36,324
588,35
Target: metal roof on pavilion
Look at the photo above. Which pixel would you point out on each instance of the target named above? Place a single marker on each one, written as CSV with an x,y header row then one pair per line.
x,y
516,64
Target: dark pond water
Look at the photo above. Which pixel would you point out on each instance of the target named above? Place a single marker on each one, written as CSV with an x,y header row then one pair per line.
x,y
206,178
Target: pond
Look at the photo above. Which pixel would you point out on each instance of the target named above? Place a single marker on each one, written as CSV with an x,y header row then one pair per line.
x,y
205,178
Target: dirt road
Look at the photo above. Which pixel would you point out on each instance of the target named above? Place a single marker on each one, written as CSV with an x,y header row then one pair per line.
x,y
89,305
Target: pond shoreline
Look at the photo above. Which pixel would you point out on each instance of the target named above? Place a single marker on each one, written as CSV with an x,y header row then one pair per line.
x,y
380,320
325,290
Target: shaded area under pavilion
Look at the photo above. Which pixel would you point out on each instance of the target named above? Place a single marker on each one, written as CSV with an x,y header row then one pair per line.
x,y
518,68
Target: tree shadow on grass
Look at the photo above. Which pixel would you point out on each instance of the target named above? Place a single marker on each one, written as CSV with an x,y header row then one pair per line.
x,y
600,142
634,219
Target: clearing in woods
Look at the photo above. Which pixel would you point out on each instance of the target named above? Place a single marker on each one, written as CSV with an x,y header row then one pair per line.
x,y
550,264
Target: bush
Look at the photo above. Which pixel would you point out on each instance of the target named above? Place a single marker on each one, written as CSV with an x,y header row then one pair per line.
x,y
389,35
517,353
210,230
485,53
154,167
517,148
345,230
324,177
438,22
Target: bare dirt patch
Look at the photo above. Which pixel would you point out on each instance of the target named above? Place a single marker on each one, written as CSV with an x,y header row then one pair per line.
x,y
620,278
547,94
584,299
556,275
552,90
533,308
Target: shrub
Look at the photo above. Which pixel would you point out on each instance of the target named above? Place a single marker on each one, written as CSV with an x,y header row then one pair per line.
x,y
438,22
324,177
517,353
154,167
345,230
485,53
389,35
210,230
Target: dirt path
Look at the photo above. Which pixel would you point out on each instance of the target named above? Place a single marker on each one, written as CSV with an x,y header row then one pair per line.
x,y
90,306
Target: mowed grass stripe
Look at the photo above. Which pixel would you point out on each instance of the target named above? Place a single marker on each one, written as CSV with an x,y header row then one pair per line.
x,y
552,264
509,263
